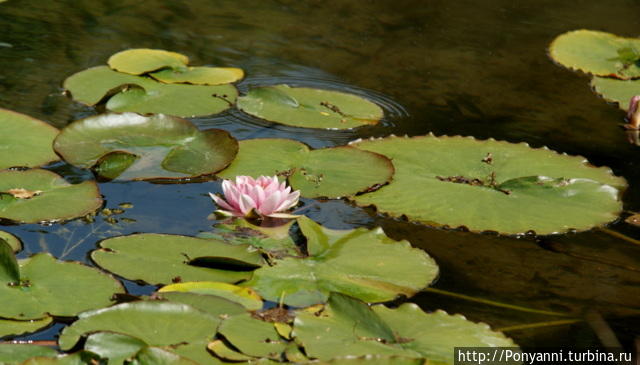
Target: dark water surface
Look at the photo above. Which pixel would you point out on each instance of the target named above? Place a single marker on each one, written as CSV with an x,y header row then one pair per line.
x,y
464,67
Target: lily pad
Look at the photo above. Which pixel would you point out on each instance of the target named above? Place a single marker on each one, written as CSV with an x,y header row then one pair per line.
x,y
50,287
11,353
247,297
384,269
145,95
78,358
25,141
348,327
617,91
156,323
163,259
36,195
216,306
223,351
273,240
10,327
252,336
598,53
327,172
154,355
13,241
132,146
116,347
310,108
142,60
200,75
493,186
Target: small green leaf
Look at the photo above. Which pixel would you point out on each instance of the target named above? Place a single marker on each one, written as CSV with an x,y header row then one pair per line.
x,y
616,91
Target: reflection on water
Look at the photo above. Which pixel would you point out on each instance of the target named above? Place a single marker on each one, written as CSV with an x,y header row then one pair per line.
x,y
449,67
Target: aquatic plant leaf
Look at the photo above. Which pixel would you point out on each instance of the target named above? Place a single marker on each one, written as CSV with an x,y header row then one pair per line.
x,y
10,327
384,269
50,287
57,200
274,240
128,93
163,259
142,60
13,241
493,186
9,269
223,351
154,322
617,91
197,351
11,353
327,172
132,146
116,347
379,360
216,306
252,336
25,141
310,108
343,329
200,75
154,355
78,358
597,53
247,297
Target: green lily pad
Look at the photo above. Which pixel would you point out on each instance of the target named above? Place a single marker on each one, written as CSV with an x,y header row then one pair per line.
x,y
142,60
247,297
200,75
223,351
252,336
274,240
617,91
11,353
598,53
197,351
310,108
327,172
13,241
493,186
154,355
145,95
156,323
216,306
50,287
78,358
9,269
348,327
384,269
132,146
116,347
10,327
25,141
163,259
36,195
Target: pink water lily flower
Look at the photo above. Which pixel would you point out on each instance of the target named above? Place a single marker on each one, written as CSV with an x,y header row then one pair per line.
x,y
265,196
633,114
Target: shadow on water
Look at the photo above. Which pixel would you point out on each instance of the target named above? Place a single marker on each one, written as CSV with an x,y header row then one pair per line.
x,y
451,68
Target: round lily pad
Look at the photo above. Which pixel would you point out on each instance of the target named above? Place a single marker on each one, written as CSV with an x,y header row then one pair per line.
x,y
493,186
132,146
617,91
156,323
13,241
310,108
348,327
25,141
142,60
598,53
145,95
48,286
36,195
10,327
384,269
199,75
163,258
328,172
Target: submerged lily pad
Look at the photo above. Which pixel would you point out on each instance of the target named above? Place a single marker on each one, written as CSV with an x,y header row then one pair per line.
x,y
598,53
142,60
48,286
145,95
493,185
200,75
155,323
25,141
617,91
132,146
384,268
348,327
13,241
37,195
327,172
163,258
310,108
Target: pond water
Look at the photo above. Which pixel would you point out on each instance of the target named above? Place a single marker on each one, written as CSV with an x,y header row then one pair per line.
x,y
476,68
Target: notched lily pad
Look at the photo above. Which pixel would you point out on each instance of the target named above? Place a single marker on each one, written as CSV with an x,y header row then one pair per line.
x,y
36,195
310,108
493,186
598,53
132,146
384,269
25,141
616,91
142,60
165,259
327,172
